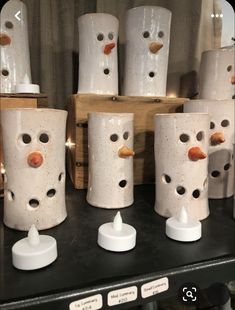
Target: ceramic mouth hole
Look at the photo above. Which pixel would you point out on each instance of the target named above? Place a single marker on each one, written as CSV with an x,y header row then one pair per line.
x,y
225,123
10,195
9,24
200,136
123,183
151,74
184,137
26,139
212,125
180,190
166,178
215,174
51,193
61,177
227,167
196,193
5,72
33,203
44,138
106,71
229,68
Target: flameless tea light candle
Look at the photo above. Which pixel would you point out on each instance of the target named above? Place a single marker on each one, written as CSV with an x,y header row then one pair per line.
x,y
117,236
34,252
182,228
26,87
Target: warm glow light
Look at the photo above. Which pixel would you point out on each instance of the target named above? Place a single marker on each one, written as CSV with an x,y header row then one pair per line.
x,y
216,15
212,15
2,169
221,15
69,144
172,95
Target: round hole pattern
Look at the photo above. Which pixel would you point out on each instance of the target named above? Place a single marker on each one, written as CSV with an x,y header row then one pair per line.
x,y
51,192
114,137
229,68
146,34
123,183
61,177
5,72
227,167
225,123
184,137
200,136
26,138
106,71
160,34
126,135
215,174
10,195
166,178
34,203
110,36
9,24
196,193
100,37
151,74
212,125
180,190
44,138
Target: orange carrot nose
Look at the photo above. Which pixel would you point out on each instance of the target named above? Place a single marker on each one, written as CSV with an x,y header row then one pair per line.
x,y
108,48
217,138
154,47
35,159
233,79
195,153
125,152
4,39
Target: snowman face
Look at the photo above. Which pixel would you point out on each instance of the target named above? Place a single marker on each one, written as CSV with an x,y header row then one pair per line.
x,y
106,41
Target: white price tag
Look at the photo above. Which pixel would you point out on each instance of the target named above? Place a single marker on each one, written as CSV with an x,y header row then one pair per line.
x,y
122,296
90,303
154,287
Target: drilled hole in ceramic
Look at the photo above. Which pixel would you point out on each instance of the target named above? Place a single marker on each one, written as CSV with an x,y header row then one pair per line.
x,y
184,138
180,190
123,183
106,71
160,34
110,36
44,138
229,68
51,193
227,167
126,135
10,195
61,177
166,178
26,139
146,34
114,137
5,72
200,136
100,37
212,125
225,123
151,74
215,174
9,24
196,193
33,203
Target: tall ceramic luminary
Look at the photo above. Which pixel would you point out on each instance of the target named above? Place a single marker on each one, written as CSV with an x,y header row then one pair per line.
x,y
217,74
181,145
110,145
34,159
15,59
221,172
98,68
147,49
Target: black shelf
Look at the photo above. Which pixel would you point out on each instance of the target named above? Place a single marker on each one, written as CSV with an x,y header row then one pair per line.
x,y
84,269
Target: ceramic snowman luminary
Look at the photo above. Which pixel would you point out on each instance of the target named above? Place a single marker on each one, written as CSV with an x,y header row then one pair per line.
x,y
217,74
110,146
181,144
15,59
98,69
34,160
221,172
147,49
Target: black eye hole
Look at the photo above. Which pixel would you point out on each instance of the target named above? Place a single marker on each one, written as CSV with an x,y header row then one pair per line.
x,y
146,34
100,37
44,138
184,138
114,137
160,34
110,36
225,123
212,125
126,135
9,24
229,68
26,138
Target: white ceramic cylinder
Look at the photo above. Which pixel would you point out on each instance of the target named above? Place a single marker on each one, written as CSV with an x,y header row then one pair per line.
x,y
98,68
147,49
110,146
217,74
221,172
34,160
15,58
181,145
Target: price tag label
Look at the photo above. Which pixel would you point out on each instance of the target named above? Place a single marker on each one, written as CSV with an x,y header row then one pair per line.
x,y
90,303
122,296
154,287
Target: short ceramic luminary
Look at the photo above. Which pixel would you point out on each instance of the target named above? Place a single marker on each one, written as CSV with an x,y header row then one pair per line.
x,y
110,147
98,68
181,145
15,59
147,49
34,160
221,172
217,74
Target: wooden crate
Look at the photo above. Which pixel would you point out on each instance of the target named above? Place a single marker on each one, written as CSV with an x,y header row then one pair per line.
x,y
10,101
144,109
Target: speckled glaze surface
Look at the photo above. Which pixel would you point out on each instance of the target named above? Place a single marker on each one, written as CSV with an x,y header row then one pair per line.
x,y
110,183
147,49
217,74
221,172
15,58
34,159
181,181
98,68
